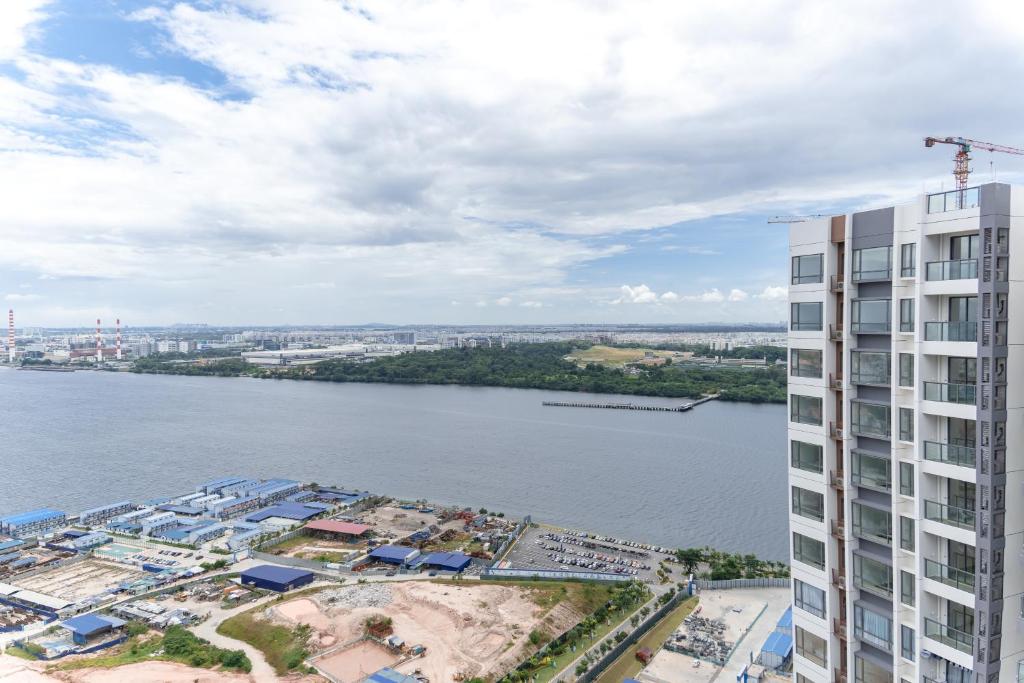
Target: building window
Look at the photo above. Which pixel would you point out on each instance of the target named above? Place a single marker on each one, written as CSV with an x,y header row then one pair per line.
x,y
908,260
907,643
805,409
906,315
805,363
809,504
809,598
870,367
871,419
871,470
907,588
808,551
810,646
906,424
805,316
872,264
866,671
871,316
873,628
907,479
907,370
873,576
872,524
806,456
907,533
808,269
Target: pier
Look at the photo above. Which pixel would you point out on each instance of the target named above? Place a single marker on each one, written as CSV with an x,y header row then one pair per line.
x,y
632,406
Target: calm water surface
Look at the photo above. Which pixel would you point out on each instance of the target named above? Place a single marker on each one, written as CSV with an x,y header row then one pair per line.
x,y
715,475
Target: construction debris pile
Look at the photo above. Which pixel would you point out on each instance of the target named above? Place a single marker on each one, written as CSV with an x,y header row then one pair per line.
x,y
702,638
352,597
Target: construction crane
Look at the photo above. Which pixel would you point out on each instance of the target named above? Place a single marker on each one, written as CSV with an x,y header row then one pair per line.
x,y
795,219
962,159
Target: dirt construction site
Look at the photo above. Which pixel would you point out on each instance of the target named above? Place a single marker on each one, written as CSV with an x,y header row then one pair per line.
x,y
80,580
466,631
394,522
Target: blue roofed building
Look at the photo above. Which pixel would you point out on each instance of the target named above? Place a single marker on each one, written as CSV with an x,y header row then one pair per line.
x,y
294,512
10,543
215,485
280,579
90,627
447,562
389,676
394,554
100,515
33,523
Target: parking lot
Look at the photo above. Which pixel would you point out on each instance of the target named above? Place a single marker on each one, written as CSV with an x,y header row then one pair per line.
x,y
546,547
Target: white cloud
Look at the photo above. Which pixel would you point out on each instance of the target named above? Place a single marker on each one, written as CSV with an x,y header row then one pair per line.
x,y
737,295
22,297
504,301
669,296
641,294
711,296
532,304
481,304
773,294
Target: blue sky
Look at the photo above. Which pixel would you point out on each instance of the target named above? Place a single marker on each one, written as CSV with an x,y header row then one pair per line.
x,y
313,161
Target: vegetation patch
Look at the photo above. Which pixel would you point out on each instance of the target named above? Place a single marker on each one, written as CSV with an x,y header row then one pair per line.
x,y
176,645
284,648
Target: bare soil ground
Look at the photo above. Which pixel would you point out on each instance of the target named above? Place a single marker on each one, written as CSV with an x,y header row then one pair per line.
x,y
469,630
14,670
81,580
357,662
395,522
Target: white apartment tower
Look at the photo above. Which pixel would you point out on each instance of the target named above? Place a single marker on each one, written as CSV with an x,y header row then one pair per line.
x,y
906,441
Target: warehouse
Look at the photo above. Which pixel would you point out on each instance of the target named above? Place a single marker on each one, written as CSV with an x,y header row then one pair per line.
x,y
336,529
447,562
394,554
32,524
100,515
278,579
293,512
88,626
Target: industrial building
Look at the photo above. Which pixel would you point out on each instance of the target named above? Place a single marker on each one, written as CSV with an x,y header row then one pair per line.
x,y
447,562
100,515
394,554
280,579
87,627
286,514
905,440
32,524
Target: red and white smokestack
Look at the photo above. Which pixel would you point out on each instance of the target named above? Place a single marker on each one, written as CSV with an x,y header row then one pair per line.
x,y
10,335
99,343
119,339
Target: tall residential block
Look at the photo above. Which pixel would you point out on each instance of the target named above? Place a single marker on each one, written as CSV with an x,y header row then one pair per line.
x,y
906,441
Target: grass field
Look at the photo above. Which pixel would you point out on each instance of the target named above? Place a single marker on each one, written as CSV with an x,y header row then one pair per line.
x,y
284,648
584,597
612,357
627,665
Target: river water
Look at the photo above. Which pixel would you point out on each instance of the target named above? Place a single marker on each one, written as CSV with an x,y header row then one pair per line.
x,y
713,476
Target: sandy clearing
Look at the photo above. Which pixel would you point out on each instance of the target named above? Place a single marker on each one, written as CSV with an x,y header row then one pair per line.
x,y
356,663
468,630
14,670
17,670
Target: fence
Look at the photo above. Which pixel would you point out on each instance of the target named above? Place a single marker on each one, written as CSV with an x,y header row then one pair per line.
x,y
727,584
499,554
551,574
89,650
631,638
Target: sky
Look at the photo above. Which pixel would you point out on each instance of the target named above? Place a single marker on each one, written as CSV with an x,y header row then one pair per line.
x,y
440,161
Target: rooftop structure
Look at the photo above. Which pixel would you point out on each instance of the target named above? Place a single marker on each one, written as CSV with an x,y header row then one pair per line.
x,y
334,526
275,578
34,523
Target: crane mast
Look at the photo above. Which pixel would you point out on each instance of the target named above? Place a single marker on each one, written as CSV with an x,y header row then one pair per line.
x,y
962,158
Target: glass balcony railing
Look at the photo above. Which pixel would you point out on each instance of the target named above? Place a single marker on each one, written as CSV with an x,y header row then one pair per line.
x,y
870,327
948,635
950,454
952,331
953,200
951,576
962,518
960,269
950,393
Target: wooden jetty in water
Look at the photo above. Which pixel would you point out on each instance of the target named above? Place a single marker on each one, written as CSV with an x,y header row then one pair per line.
x,y
632,406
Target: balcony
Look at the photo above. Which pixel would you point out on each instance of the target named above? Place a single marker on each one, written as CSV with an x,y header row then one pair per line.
x,y
948,635
962,518
880,377
871,327
950,454
945,392
961,269
951,576
953,200
951,332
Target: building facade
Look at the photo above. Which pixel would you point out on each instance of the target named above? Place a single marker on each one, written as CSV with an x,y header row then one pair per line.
x,y
906,475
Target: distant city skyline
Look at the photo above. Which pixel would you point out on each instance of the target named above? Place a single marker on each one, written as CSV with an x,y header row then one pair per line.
x,y
251,162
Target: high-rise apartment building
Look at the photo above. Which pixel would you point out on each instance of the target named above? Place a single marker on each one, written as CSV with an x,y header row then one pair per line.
x,y
906,441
